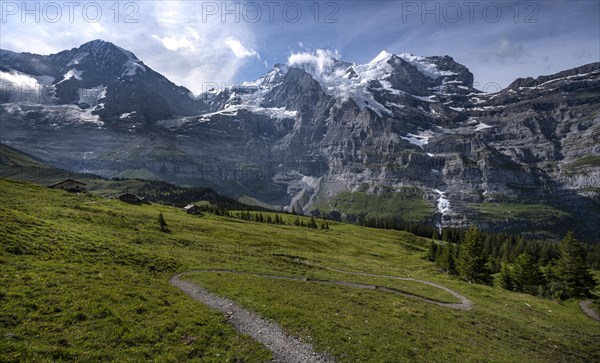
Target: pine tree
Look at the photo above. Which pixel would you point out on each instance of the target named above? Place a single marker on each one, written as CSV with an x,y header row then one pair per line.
x,y
471,264
433,248
572,270
445,258
526,275
506,277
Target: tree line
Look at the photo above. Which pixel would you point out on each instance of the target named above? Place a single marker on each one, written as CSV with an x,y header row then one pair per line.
x,y
258,217
502,247
563,276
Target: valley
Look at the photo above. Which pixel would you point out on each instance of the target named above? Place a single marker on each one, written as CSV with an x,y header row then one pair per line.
x,y
86,278
309,136
300,181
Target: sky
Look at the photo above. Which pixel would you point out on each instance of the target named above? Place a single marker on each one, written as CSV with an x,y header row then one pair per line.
x,y
203,44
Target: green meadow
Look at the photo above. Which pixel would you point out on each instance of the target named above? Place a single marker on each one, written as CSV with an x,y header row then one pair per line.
x,y
83,278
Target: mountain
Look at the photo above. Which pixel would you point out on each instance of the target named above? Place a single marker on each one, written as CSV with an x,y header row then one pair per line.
x,y
16,165
403,135
107,84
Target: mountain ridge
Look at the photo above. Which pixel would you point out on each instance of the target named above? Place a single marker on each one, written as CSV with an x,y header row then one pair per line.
x,y
305,133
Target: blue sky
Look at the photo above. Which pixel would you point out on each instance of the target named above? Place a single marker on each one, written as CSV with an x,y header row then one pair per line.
x,y
200,43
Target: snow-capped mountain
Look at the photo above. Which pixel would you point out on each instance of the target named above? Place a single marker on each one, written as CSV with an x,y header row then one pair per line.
x,y
318,133
106,83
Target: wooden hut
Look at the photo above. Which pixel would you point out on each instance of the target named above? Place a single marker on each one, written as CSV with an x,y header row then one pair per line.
x,y
70,185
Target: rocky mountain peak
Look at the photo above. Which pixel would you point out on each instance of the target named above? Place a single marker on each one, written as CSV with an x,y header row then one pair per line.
x,y
584,70
320,126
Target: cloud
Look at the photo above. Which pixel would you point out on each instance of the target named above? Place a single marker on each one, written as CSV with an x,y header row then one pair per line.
x,y
321,59
508,52
201,50
170,37
173,38
239,50
174,43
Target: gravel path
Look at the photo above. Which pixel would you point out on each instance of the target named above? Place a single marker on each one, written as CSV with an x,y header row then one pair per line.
x,y
465,304
585,306
285,348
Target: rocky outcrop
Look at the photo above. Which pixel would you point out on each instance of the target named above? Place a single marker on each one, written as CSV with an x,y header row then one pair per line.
x,y
302,133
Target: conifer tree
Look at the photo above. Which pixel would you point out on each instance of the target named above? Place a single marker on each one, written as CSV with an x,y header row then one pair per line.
x,y
445,258
572,270
526,275
506,277
471,264
432,252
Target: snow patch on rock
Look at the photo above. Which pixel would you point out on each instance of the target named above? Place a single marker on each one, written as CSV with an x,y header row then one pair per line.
x,y
91,96
482,126
420,139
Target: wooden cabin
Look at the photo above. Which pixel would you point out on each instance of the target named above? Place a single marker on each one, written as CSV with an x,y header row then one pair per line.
x,y
192,209
130,198
70,185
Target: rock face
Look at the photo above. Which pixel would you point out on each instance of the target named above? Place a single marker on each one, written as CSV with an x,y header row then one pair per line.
x,y
524,159
108,81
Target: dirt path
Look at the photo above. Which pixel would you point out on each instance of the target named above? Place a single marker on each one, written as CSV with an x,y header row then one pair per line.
x,y
285,348
585,306
465,304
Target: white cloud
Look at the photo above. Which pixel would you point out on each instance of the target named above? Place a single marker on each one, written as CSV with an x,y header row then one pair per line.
x,y
320,59
175,43
239,50
169,37
200,51
98,28
507,52
22,81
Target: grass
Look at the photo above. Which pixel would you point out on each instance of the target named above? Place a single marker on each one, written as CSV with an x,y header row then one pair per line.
x,y
138,174
519,211
536,221
255,202
17,165
359,325
407,203
589,160
85,279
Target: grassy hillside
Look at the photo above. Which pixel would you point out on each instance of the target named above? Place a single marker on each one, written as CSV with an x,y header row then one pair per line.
x,y
408,203
85,279
17,165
